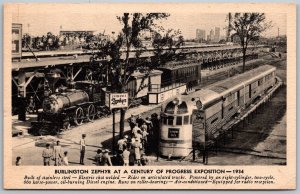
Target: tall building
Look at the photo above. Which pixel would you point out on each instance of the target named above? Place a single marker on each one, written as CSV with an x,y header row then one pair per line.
x,y
211,35
217,34
200,35
208,38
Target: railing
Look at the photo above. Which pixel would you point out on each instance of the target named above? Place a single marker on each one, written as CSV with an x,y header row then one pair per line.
x,y
158,88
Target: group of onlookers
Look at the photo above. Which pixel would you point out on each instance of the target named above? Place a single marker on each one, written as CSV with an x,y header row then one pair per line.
x,y
54,42
56,154
131,149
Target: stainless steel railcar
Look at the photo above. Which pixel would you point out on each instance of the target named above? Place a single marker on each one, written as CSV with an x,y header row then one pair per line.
x,y
218,104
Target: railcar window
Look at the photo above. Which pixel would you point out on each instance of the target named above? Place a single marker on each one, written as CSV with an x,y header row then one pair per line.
x,y
260,82
170,120
249,90
179,120
186,120
164,119
182,108
170,108
214,120
238,98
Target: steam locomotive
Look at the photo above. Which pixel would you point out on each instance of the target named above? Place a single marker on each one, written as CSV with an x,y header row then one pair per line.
x,y
70,106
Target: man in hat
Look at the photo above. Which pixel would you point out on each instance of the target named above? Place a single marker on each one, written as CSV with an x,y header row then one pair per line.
x,y
139,121
131,122
82,148
57,154
47,154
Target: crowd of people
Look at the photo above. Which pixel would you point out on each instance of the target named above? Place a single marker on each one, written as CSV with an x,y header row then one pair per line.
x,y
53,42
132,148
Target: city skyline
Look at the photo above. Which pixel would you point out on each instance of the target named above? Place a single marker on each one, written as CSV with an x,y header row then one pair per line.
x,y
38,25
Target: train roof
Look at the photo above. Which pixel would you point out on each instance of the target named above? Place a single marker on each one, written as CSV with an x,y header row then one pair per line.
x,y
240,79
216,91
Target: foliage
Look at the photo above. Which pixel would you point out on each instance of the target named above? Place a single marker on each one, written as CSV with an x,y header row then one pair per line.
x,y
248,27
124,51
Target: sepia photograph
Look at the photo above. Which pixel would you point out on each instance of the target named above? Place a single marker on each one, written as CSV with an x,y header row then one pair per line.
x,y
127,86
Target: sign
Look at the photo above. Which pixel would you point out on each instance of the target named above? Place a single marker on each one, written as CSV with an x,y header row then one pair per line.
x,y
16,41
118,100
198,117
173,133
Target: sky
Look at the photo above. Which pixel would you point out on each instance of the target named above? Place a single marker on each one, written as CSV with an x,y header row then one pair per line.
x,y
38,24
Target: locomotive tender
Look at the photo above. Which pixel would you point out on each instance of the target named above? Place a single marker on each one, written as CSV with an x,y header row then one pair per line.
x,y
217,105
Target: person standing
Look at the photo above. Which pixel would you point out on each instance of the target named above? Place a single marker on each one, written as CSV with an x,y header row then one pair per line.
x,y
98,157
135,130
137,151
57,154
82,149
126,154
47,155
18,161
22,108
144,138
139,121
122,144
131,156
106,161
131,122
65,159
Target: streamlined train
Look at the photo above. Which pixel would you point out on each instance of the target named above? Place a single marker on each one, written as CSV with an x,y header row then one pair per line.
x,y
216,105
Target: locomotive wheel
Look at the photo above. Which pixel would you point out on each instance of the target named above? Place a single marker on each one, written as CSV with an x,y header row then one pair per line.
x,y
78,119
91,113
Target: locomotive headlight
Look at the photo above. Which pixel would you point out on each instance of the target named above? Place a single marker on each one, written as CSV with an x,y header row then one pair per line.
x,y
176,101
198,102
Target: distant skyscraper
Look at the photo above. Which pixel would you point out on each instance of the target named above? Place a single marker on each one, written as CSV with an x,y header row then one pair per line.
x,y
217,34
200,35
211,35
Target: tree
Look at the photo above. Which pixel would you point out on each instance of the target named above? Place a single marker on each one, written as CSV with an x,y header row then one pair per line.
x,y
165,45
118,51
248,27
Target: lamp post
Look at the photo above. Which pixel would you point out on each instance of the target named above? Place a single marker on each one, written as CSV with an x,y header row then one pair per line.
x,y
113,128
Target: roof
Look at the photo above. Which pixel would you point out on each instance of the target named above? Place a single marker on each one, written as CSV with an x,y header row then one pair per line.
x,y
179,65
51,57
240,79
139,74
216,91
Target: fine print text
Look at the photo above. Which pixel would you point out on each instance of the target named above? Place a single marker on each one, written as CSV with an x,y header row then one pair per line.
x,y
149,176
